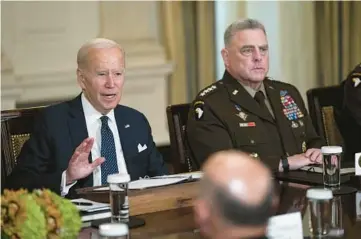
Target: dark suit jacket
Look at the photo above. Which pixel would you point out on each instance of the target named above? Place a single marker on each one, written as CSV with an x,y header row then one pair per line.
x,y
61,128
220,126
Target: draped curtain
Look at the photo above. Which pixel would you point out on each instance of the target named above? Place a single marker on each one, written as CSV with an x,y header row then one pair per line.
x,y
338,39
188,36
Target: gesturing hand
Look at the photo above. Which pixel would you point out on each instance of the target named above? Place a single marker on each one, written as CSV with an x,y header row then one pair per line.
x,y
79,166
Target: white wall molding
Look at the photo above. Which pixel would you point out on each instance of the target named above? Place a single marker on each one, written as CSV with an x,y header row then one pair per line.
x,y
41,40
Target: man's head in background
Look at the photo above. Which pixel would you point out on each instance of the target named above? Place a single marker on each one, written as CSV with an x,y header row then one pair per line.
x,y
352,96
236,197
245,52
100,73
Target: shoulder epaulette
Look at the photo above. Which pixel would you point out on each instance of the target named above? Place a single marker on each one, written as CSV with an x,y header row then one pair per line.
x,y
209,90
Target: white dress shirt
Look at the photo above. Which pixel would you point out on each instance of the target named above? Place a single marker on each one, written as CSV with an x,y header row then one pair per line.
x,y
93,125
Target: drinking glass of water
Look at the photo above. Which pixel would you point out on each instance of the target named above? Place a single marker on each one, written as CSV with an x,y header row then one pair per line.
x,y
113,231
331,165
320,207
118,193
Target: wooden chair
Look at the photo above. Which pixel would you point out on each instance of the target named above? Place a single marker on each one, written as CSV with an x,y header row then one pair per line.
x,y
16,126
332,133
177,116
323,104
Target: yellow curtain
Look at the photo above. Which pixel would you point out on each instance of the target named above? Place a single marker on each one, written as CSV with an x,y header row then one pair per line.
x,y
338,39
188,35
351,36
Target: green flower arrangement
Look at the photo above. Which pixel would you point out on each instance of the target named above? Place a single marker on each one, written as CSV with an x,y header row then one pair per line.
x,y
40,214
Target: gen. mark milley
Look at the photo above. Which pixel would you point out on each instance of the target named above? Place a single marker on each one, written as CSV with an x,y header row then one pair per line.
x,y
246,110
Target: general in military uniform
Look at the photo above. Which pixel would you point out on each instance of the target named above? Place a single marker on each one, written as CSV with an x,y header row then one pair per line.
x,y
248,111
226,115
349,121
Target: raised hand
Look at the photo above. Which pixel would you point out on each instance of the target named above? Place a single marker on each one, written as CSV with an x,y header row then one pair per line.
x,y
79,166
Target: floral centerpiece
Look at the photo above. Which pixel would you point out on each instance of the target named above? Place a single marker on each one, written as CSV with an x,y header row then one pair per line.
x,y
40,214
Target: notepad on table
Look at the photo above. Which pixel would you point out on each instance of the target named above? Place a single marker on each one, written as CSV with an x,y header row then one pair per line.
x,y
95,211
153,182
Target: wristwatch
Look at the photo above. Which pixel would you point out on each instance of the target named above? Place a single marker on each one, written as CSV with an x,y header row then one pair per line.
x,y
285,165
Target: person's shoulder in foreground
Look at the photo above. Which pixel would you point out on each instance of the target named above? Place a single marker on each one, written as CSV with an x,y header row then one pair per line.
x,y
228,206
352,94
348,119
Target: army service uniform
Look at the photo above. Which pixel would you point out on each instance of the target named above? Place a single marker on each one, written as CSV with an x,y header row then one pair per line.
x,y
225,116
349,121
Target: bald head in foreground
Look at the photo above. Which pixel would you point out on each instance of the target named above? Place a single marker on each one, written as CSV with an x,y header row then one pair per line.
x,y
236,197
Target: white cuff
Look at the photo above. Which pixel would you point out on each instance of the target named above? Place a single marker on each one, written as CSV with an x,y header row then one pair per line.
x,y
64,189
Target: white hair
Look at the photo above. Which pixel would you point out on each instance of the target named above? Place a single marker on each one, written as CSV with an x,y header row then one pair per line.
x,y
100,43
240,25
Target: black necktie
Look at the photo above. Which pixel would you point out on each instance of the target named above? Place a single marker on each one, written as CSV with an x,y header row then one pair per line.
x,y
110,165
260,98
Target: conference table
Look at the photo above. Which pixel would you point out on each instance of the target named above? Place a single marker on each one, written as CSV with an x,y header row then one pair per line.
x,y
168,213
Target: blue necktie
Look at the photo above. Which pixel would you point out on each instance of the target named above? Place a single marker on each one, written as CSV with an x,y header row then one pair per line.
x,y
110,165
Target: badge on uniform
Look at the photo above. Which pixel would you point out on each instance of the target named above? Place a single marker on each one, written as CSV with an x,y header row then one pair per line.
x,y
294,125
290,108
249,124
198,109
235,92
304,147
356,81
254,155
242,115
301,123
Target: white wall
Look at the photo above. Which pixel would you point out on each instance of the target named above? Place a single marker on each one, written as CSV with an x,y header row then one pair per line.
x,y
40,41
268,13
226,12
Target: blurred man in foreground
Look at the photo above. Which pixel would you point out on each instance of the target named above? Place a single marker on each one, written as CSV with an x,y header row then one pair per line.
x,y
236,197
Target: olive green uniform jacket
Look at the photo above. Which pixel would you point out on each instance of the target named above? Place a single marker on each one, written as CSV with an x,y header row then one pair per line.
x,y
225,116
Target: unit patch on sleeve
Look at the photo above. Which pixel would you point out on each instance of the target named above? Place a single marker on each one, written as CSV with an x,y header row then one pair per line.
x,y
198,109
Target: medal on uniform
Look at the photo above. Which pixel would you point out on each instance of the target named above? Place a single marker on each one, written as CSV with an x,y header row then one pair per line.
x,y
294,124
290,108
304,147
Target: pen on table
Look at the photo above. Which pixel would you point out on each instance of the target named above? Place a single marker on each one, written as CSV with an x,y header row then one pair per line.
x,y
169,177
83,203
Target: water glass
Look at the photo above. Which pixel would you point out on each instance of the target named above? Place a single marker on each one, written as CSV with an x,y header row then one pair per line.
x,y
113,231
331,165
118,193
320,206
336,219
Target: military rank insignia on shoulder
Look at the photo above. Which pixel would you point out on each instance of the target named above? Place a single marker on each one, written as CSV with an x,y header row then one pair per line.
x,y
208,90
198,109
